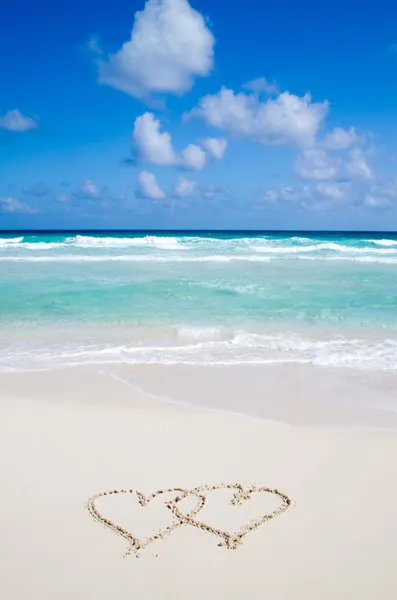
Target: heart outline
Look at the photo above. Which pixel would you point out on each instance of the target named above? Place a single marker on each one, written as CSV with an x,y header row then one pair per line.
x,y
232,540
135,544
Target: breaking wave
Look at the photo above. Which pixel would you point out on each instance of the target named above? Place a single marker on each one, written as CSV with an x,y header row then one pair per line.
x,y
191,248
211,346
9,241
386,243
83,241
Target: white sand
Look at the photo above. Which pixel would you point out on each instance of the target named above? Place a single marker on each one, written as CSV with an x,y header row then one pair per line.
x,y
65,436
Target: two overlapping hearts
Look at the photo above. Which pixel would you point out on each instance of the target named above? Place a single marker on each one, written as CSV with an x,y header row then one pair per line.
x,y
176,498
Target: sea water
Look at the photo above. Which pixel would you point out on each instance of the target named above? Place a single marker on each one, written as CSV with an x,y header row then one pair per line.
x,y
326,299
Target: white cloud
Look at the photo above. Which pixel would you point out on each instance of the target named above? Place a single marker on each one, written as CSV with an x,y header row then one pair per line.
x,y
287,194
341,139
170,45
372,201
14,120
152,145
88,190
382,196
388,188
185,187
155,147
9,205
287,119
148,186
333,190
314,163
321,196
262,85
331,195
357,166
216,147
193,157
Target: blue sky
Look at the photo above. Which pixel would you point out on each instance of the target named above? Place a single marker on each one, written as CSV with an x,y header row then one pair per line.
x,y
173,114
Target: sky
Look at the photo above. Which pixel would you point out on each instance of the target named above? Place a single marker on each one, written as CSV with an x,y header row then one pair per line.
x,y
220,114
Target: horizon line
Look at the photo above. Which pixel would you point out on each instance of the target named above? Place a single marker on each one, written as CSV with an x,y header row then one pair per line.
x,y
188,230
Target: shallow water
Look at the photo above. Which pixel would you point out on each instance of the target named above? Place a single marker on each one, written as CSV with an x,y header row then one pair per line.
x,y
323,299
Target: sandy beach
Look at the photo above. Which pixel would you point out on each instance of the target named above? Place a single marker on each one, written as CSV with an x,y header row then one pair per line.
x,y
198,301
69,435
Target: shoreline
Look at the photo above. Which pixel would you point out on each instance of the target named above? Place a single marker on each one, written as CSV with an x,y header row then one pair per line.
x,y
351,428
285,395
25,347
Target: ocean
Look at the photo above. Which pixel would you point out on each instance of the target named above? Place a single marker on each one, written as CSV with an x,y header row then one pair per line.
x,y
327,299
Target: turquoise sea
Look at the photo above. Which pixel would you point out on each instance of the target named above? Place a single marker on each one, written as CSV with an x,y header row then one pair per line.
x,y
198,298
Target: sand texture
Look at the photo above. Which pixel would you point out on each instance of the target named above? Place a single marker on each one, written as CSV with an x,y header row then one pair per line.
x,y
107,493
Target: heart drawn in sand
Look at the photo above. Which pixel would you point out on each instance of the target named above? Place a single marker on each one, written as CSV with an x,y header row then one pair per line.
x,y
231,539
135,544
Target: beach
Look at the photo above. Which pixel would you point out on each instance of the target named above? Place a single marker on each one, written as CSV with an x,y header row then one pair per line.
x,y
68,435
197,415
198,301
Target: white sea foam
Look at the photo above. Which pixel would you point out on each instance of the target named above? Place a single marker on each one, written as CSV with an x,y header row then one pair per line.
x,y
208,346
227,287
328,246
83,241
134,258
41,245
303,240
19,243
10,241
360,259
223,249
215,258
162,242
164,249
199,333
382,242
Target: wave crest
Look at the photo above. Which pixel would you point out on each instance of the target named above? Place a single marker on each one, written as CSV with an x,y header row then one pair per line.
x,y
10,241
387,243
84,241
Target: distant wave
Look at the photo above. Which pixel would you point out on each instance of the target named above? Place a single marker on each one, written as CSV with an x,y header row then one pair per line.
x,y
193,249
301,239
382,242
83,241
195,245
8,241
